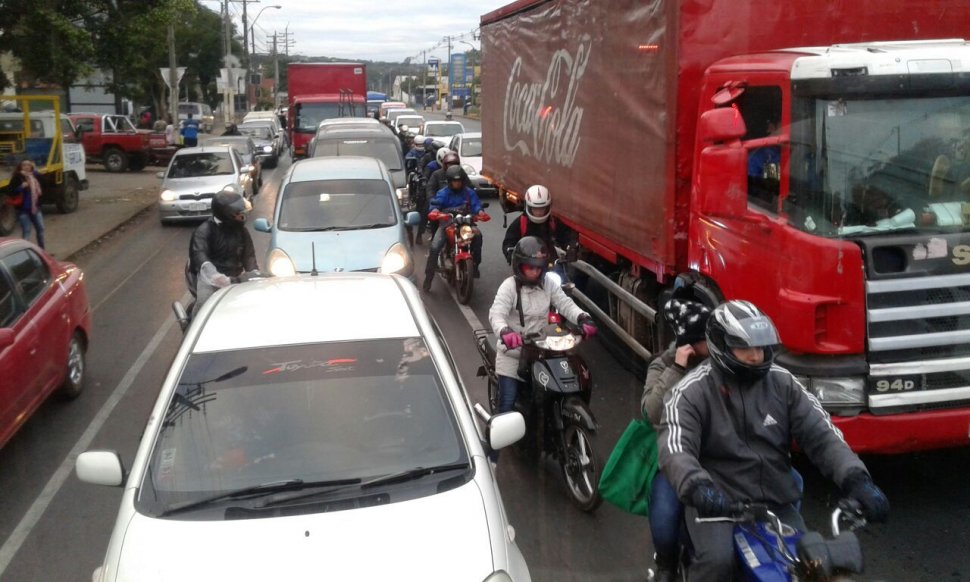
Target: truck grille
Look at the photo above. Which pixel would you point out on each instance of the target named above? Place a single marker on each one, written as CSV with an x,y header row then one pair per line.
x,y
919,343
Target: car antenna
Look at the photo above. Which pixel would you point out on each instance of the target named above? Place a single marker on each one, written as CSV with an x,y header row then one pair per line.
x,y
313,255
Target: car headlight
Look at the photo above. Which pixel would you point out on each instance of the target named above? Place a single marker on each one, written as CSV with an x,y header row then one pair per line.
x,y
396,260
469,170
169,196
467,232
280,264
500,576
842,396
267,149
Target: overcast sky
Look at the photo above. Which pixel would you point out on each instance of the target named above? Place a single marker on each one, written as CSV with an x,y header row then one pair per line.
x,y
387,30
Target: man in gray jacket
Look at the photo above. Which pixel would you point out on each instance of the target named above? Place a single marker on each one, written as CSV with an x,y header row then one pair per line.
x,y
726,432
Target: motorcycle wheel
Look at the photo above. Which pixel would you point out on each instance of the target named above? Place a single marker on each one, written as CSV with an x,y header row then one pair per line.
x,y
581,468
493,396
464,281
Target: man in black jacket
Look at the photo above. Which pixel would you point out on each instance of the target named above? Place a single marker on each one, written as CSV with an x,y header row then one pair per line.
x,y
726,432
223,240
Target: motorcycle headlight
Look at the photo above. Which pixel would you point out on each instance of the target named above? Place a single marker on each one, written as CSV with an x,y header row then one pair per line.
x,y
402,193
280,264
558,343
397,260
469,170
169,196
467,232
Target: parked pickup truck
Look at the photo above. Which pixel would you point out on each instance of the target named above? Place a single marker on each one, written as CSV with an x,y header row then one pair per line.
x,y
113,141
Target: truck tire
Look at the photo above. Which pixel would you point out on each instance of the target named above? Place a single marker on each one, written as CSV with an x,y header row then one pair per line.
x,y
115,160
67,202
8,217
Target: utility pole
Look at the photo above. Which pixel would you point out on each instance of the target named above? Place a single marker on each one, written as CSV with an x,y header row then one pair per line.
x,y
173,79
450,89
424,82
276,74
229,101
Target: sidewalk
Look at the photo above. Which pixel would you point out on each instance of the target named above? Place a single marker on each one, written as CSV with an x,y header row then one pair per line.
x,y
111,200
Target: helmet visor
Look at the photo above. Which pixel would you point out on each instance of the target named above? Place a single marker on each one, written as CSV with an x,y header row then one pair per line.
x,y
753,332
539,211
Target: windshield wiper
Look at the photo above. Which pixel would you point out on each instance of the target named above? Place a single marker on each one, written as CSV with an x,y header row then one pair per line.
x,y
256,490
374,225
407,475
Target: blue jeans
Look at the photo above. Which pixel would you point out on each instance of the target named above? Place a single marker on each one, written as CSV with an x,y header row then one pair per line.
x,y
25,218
508,388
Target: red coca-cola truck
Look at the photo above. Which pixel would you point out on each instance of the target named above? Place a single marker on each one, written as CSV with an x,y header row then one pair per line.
x,y
811,158
319,91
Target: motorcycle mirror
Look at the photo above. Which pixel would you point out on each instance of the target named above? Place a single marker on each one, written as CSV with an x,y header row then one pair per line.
x,y
181,316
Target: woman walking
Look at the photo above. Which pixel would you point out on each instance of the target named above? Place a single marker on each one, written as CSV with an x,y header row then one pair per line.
x,y
25,184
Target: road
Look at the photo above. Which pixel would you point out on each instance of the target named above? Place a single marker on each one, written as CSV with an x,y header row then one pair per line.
x,y
53,527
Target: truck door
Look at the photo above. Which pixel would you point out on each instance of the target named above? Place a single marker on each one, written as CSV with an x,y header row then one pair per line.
x,y
740,248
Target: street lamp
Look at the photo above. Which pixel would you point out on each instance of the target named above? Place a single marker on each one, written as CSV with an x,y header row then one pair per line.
x,y
252,42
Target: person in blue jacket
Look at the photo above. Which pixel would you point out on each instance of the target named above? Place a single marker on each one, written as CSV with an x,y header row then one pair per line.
x,y
454,198
190,132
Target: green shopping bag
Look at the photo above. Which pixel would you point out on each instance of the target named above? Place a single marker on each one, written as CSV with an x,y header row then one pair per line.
x,y
628,474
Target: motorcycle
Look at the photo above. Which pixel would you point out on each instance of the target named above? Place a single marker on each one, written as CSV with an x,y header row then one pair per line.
x,y
416,200
770,551
455,259
554,399
202,286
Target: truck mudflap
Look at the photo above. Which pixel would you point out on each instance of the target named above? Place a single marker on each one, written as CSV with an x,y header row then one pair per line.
x,y
906,433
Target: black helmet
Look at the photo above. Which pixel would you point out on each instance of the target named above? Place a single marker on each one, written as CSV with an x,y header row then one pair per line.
x,y
454,173
530,251
739,324
228,203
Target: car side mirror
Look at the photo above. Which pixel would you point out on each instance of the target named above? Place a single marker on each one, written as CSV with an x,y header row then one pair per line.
x,y
245,170
263,225
412,219
503,429
100,468
160,175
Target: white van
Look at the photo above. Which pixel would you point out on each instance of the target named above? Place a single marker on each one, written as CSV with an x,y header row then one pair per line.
x,y
200,112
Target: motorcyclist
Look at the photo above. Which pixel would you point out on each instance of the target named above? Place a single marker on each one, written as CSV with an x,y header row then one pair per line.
x,y
431,150
231,129
725,437
416,152
456,197
223,242
536,221
521,307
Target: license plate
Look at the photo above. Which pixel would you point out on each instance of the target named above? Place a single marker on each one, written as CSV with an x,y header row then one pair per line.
x,y
197,206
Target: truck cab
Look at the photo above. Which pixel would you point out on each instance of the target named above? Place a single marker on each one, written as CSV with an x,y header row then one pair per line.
x,y
113,141
306,113
32,127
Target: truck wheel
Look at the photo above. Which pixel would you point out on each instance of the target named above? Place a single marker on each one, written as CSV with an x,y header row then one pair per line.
x,y
115,160
68,201
8,218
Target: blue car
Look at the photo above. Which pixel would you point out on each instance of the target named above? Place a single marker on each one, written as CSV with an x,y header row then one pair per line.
x,y
338,214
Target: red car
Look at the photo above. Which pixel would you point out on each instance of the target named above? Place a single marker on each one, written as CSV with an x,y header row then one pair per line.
x,y
45,324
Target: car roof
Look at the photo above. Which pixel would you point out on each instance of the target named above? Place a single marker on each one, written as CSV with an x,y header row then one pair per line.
x,y
337,168
308,309
340,133
203,150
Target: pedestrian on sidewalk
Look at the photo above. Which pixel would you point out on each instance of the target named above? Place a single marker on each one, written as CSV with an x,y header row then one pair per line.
x,y
190,132
25,184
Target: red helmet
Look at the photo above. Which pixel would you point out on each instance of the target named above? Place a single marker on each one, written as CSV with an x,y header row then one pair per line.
x,y
450,159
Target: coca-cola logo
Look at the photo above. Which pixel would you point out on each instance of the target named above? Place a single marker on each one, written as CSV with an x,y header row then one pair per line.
x,y
541,118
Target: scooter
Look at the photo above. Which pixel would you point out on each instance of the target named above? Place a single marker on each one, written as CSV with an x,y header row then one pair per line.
x,y
455,259
554,400
768,550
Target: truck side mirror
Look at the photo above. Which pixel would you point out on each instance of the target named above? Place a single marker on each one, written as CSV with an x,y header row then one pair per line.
x,y
721,177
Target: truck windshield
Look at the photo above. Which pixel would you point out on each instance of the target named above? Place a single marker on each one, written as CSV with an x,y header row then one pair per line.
x,y
869,166
309,115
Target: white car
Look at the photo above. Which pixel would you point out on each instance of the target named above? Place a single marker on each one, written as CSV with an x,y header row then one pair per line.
x,y
442,131
193,178
469,149
312,428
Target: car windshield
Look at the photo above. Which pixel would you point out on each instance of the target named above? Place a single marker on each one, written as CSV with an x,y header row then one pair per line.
x,y
336,205
256,131
395,113
409,120
316,413
386,151
865,166
471,147
443,129
201,164
309,115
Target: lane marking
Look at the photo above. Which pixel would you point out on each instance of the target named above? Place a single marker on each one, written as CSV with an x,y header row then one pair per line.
x,y
130,275
467,311
57,480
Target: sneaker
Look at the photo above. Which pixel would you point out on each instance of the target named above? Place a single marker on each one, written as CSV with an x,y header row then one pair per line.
x,y
428,279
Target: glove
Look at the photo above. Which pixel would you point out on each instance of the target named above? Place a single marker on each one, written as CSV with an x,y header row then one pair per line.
x,y
482,217
875,505
511,338
586,323
709,500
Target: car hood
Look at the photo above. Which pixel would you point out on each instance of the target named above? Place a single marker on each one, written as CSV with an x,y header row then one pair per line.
x,y
201,184
442,537
346,250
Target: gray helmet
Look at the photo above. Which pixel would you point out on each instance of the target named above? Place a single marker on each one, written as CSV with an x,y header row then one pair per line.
x,y
531,251
227,203
739,324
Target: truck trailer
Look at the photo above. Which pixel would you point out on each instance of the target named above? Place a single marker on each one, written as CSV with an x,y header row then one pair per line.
x,y
319,91
814,160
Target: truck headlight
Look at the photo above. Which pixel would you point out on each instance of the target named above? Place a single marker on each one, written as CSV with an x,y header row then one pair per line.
x,y
280,264
469,170
841,396
169,196
396,260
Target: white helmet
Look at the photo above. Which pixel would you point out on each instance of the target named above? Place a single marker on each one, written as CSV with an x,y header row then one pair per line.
x,y
441,154
538,203
419,140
